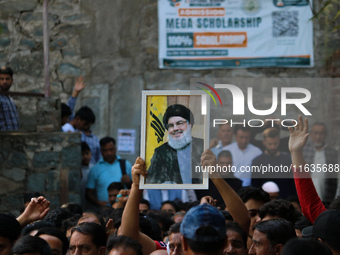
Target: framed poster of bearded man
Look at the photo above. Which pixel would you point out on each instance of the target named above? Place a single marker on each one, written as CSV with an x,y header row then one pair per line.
x,y
173,138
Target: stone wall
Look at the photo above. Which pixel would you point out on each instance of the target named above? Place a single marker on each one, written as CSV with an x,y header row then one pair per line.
x,y
115,45
38,114
48,163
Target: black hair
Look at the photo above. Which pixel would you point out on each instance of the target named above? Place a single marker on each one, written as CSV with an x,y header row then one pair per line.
x,y
65,110
105,212
277,231
224,154
272,133
240,127
94,230
175,228
302,222
145,202
85,147
99,217
73,208
57,216
31,244
191,205
36,226
250,192
71,222
280,208
171,203
227,216
85,113
107,140
234,226
205,247
124,242
303,246
163,219
116,186
6,70
293,199
149,227
9,227
56,233
116,216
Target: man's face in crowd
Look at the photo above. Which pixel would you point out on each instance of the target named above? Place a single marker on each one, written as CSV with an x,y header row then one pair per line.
x,y
81,124
175,244
168,208
272,145
55,243
225,161
253,207
5,246
225,134
242,139
318,135
122,251
5,82
108,152
143,208
81,244
178,218
261,245
86,158
176,126
113,195
235,244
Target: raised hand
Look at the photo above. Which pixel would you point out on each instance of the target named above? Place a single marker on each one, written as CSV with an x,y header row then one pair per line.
x,y
122,198
298,135
208,158
36,210
139,168
79,85
209,200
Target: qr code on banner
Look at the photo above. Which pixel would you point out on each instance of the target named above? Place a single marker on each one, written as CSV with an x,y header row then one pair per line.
x,y
285,23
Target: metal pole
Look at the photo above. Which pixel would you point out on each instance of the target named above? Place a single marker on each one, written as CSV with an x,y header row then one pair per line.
x,y
46,49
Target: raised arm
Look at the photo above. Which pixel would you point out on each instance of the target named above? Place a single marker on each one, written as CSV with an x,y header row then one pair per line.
x,y
311,204
233,202
130,219
36,210
79,85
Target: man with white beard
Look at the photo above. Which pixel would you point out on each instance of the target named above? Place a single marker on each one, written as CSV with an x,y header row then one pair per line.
x,y
172,162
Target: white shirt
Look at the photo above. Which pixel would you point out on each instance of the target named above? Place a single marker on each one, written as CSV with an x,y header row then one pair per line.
x,y
68,128
242,160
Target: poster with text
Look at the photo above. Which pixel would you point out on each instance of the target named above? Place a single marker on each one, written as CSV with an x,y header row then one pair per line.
x,y
212,34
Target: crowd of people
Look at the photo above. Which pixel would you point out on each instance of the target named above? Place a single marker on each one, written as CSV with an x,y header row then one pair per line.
x,y
241,213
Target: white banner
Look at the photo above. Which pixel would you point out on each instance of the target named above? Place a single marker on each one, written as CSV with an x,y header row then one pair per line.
x,y
212,34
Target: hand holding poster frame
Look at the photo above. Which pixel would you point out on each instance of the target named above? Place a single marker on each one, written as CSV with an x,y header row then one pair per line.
x,y
173,149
